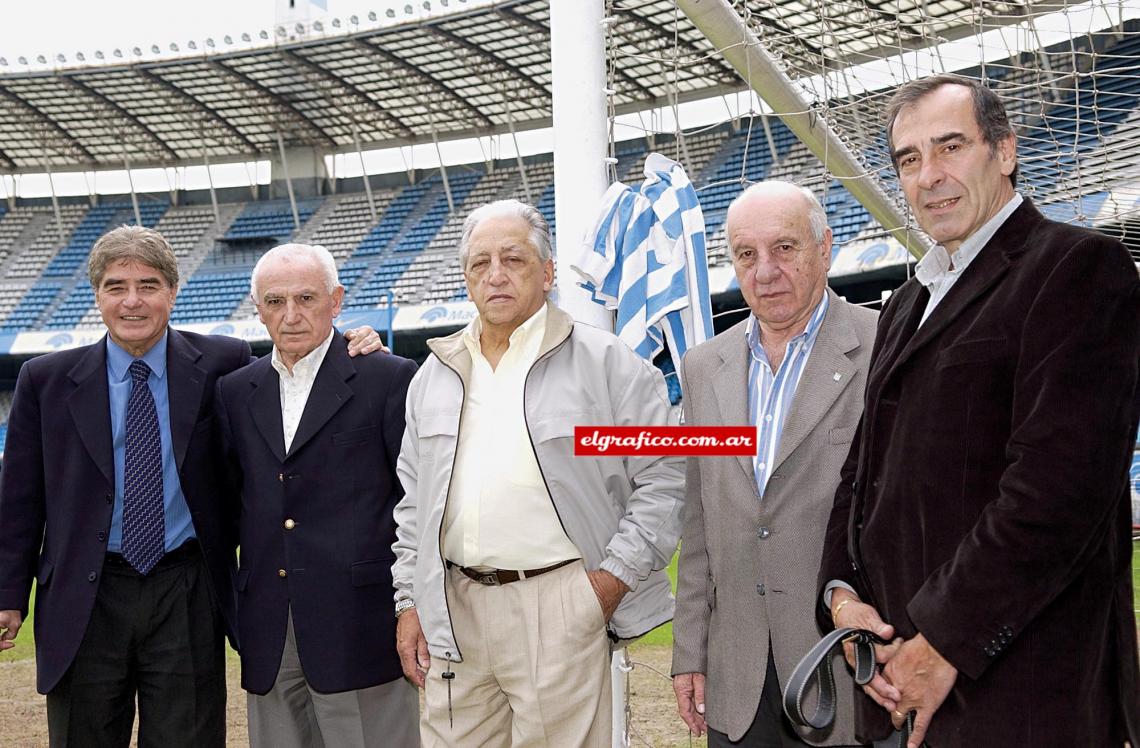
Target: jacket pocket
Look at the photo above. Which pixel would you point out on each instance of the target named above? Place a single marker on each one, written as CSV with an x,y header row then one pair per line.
x,y
973,352
377,571
437,433
355,436
561,426
43,576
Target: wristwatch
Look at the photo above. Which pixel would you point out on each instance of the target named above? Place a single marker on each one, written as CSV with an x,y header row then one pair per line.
x,y
406,603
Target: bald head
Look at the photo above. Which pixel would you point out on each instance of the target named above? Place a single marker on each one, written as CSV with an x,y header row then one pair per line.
x,y
773,192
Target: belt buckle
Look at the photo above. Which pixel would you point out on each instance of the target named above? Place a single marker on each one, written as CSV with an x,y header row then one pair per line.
x,y
490,579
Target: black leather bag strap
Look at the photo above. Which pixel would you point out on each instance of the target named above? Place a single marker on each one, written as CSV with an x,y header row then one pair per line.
x,y
816,666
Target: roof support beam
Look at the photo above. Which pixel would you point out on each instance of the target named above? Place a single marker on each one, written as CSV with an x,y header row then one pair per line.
x,y
32,109
198,104
697,53
536,87
275,99
311,68
529,23
719,21
432,81
119,110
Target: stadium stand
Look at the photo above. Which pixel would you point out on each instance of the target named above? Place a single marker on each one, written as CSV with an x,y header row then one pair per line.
x,y
271,220
409,249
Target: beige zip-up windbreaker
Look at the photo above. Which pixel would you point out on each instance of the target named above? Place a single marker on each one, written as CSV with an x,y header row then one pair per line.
x,y
623,513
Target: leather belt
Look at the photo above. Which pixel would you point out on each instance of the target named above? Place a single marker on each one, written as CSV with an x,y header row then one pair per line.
x,y
496,577
188,551
816,666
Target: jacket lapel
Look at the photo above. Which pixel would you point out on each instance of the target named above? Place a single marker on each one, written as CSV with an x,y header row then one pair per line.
x,y
986,270
90,407
732,401
265,407
329,393
826,374
186,385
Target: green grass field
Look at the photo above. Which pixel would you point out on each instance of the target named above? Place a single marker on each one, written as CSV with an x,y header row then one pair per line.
x,y
663,635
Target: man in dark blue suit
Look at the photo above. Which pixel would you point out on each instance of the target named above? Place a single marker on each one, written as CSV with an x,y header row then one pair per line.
x,y
312,438
110,500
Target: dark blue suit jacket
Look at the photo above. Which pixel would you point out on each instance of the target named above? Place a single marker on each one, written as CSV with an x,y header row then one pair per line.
x,y
56,491
316,524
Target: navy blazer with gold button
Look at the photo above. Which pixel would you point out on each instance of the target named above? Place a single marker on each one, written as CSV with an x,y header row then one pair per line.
x,y
316,527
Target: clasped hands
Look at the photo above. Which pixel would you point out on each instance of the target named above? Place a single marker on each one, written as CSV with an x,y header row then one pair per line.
x,y
912,676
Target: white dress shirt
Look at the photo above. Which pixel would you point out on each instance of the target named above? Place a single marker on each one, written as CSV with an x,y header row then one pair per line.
x,y
296,385
939,271
499,513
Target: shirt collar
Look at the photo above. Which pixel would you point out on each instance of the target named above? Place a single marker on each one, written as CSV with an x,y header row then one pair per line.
x,y
936,263
119,361
307,366
808,336
526,336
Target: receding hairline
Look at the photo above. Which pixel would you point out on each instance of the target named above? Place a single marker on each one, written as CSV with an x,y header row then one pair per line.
x,y
520,222
769,189
320,258
814,212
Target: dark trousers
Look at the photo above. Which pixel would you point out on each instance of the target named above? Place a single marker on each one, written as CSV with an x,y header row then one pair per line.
x,y
770,728
158,638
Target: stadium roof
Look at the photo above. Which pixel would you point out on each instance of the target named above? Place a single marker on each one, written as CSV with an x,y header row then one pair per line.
x,y
459,74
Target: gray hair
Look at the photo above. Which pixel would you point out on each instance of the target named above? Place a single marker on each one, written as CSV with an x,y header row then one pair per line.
x,y
539,228
989,111
817,216
134,244
292,252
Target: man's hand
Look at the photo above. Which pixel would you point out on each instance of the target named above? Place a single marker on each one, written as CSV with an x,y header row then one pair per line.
x,y
412,647
924,678
364,340
609,589
848,612
10,622
690,691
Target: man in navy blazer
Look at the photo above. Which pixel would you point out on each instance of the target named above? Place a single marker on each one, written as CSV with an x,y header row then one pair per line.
x,y
106,632
312,438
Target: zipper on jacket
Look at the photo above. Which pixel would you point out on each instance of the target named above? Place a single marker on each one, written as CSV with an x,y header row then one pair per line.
x,y
443,516
530,437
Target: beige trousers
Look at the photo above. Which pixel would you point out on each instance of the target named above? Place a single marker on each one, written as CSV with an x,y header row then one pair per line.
x,y
535,668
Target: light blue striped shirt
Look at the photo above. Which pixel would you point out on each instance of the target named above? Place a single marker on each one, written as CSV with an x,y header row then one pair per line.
x,y
770,394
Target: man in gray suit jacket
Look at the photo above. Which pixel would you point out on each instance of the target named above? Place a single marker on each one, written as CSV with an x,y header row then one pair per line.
x,y
754,526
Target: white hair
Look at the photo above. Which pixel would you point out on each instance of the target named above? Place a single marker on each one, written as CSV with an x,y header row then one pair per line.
x,y
323,257
539,228
817,216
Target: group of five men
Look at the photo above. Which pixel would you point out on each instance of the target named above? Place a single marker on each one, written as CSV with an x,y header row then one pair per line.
x,y
950,474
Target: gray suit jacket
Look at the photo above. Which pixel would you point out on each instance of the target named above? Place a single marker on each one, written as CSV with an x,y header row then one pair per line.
x,y
733,542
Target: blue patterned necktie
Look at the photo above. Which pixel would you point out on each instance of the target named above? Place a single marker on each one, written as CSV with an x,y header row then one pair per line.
x,y
144,530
